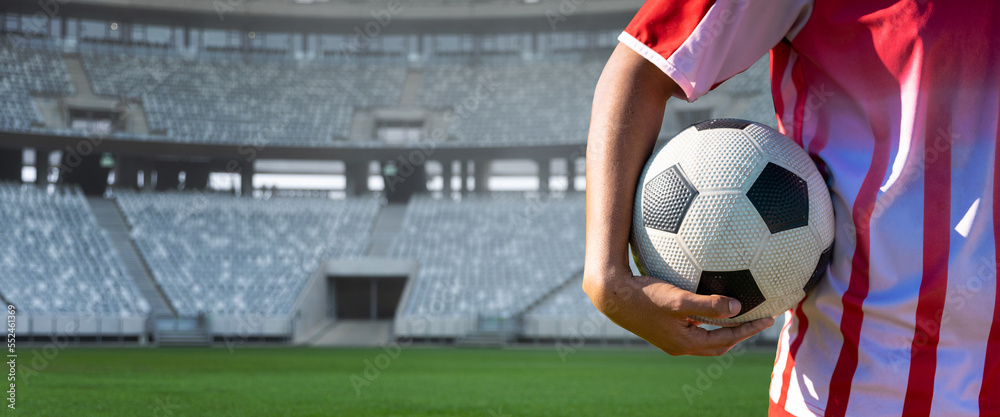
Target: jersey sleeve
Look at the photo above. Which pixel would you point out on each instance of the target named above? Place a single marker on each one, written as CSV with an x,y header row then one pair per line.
x,y
701,43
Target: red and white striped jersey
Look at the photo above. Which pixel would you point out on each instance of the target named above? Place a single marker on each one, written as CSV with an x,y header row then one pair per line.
x,y
900,100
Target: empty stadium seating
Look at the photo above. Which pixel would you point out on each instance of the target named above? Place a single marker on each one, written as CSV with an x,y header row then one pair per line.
x,y
19,113
753,88
32,67
37,66
257,98
490,256
569,315
231,101
514,104
568,302
501,256
56,260
229,256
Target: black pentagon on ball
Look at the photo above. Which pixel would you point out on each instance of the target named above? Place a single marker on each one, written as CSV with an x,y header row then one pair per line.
x,y
824,261
666,199
736,284
781,198
722,124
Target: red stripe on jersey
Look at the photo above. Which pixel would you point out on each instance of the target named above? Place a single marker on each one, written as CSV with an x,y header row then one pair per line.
x,y
857,289
822,134
779,63
934,284
799,79
817,143
664,25
783,329
773,410
793,349
989,401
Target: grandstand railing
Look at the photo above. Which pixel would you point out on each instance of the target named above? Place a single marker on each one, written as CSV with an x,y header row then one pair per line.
x,y
76,327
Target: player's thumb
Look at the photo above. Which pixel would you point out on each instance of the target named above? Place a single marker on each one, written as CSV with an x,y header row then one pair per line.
x,y
711,306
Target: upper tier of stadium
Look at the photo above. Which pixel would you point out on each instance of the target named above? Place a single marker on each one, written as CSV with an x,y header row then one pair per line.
x,y
237,98
321,74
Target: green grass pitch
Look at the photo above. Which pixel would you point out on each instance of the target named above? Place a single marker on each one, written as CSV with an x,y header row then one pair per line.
x,y
412,381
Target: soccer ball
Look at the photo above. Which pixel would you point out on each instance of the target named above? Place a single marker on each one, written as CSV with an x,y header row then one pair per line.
x,y
734,207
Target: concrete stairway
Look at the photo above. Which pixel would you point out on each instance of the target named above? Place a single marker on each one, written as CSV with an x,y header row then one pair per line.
x,y
572,279
52,111
135,118
85,97
387,226
181,338
132,112
355,333
484,340
411,87
184,331
111,219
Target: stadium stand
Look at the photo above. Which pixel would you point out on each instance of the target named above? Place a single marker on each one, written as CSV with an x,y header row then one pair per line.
x,y
235,98
37,69
230,101
514,104
569,314
568,302
222,255
490,256
752,87
55,259
19,112
505,256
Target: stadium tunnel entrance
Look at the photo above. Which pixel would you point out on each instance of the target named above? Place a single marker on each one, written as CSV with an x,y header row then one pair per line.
x,y
360,298
354,302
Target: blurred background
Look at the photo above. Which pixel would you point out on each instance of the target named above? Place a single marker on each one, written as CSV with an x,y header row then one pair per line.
x,y
351,172
308,173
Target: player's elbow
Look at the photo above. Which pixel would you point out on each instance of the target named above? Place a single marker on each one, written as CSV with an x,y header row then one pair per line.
x,y
595,286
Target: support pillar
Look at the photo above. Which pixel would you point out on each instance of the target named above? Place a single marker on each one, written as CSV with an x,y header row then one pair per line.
x,y
356,175
42,167
246,179
544,173
571,174
11,162
462,183
124,172
481,175
447,173
147,174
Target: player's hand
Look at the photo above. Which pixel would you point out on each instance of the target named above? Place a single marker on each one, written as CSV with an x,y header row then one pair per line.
x,y
662,314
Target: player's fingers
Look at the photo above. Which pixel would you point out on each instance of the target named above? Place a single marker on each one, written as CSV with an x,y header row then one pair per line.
x,y
726,337
711,306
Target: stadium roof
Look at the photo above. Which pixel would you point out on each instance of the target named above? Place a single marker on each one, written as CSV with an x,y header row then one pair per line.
x,y
335,15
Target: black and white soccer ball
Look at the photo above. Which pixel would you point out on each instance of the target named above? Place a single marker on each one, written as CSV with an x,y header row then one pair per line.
x,y
734,207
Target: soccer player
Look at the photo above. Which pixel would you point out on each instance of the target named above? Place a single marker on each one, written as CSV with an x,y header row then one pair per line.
x,y
900,101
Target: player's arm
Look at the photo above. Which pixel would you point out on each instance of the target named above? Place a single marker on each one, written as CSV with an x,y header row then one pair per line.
x,y
627,112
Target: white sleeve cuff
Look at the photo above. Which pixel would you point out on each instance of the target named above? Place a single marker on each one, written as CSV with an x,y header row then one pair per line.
x,y
687,87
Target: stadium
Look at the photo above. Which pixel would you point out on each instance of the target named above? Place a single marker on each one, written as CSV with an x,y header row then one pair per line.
x,y
362,204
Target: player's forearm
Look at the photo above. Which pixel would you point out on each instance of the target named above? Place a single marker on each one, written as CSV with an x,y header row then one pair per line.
x,y
627,112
